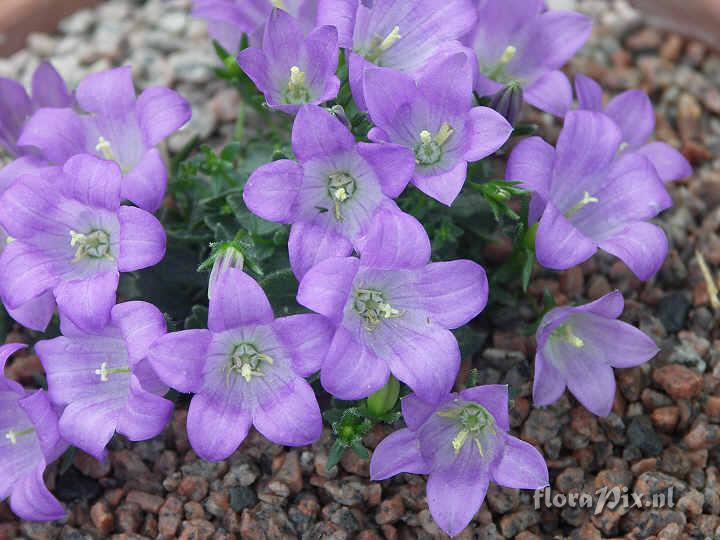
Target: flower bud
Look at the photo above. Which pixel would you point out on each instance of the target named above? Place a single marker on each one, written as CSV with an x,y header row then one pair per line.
x,y
227,256
508,102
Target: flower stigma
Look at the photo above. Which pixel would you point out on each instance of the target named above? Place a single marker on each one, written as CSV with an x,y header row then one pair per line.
x,y
105,148
379,44
565,333
587,199
429,150
373,307
297,91
94,245
474,422
279,4
104,372
341,188
497,72
13,435
247,361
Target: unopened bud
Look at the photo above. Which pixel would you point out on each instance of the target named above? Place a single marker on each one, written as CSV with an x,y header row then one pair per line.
x,y
508,102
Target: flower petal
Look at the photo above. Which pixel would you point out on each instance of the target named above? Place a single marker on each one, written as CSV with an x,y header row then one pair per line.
x,y
145,184
487,131
393,164
609,306
531,162
494,397
49,89
397,453
447,85
25,274
239,302
350,370
316,132
307,337
230,425
107,93
272,190
670,164
633,112
283,38
44,417
558,244
641,246
178,358
161,111
15,107
521,466
326,286
31,499
341,15
145,415
443,187
141,324
589,93
548,382
58,133
454,498
416,411
395,240
312,243
142,239
254,63
35,314
92,181
89,423
551,93
386,90
289,415
87,302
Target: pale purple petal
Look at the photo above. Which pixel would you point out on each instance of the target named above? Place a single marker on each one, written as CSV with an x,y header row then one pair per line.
x,y
88,302
58,133
288,415
341,15
311,243
142,239
589,93
254,63
48,88
416,411
670,164
351,370
386,90
178,358
145,184
357,66
107,93
551,93
229,421
307,337
316,132
395,240
15,107
609,306
92,181
394,165
454,497
31,499
240,302
487,131
44,417
283,38
141,324
494,397
548,382
35,314
25,274
326,286
145,415
641,246
447,85
443,187
89,423
531,163
558,244
161,111
397,453
633,112
521,466
272,190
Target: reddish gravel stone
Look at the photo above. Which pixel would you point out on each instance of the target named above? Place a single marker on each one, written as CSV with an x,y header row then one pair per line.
x,y
146,501
102,518
171,515
678,381
193,487
390,510
665,418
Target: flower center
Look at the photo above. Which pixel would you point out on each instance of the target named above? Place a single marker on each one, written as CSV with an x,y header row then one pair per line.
x,y
429,150
297,91
497,72
379,45
94,245
105,148
474,422
341,188
565,333
278,4
372,306
587,199
13,435
247,361
104,372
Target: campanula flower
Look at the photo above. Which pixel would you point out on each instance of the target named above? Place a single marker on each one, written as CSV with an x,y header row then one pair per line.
x,y
462,443
333,191
518,43
16,106
103,380
29,442
291,69
246,369
404,35
633,112
578,347
37,312
116,126
588,199
434,118
71,237
393,311
228,20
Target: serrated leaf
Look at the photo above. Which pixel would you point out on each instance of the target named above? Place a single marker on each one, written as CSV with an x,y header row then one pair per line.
x,y
335,454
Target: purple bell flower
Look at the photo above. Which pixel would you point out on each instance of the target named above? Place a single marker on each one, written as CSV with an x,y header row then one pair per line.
x,y
462,443
16,106
404,35
332,193
588,199
118,127
291,69
29,442
71,237
518,43
246,369
103,380
435,119
578,347
633,112
228,20
392,311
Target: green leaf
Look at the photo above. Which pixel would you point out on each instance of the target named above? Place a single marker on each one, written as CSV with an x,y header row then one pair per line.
x,y
67,460
198,318
335,454
360,450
